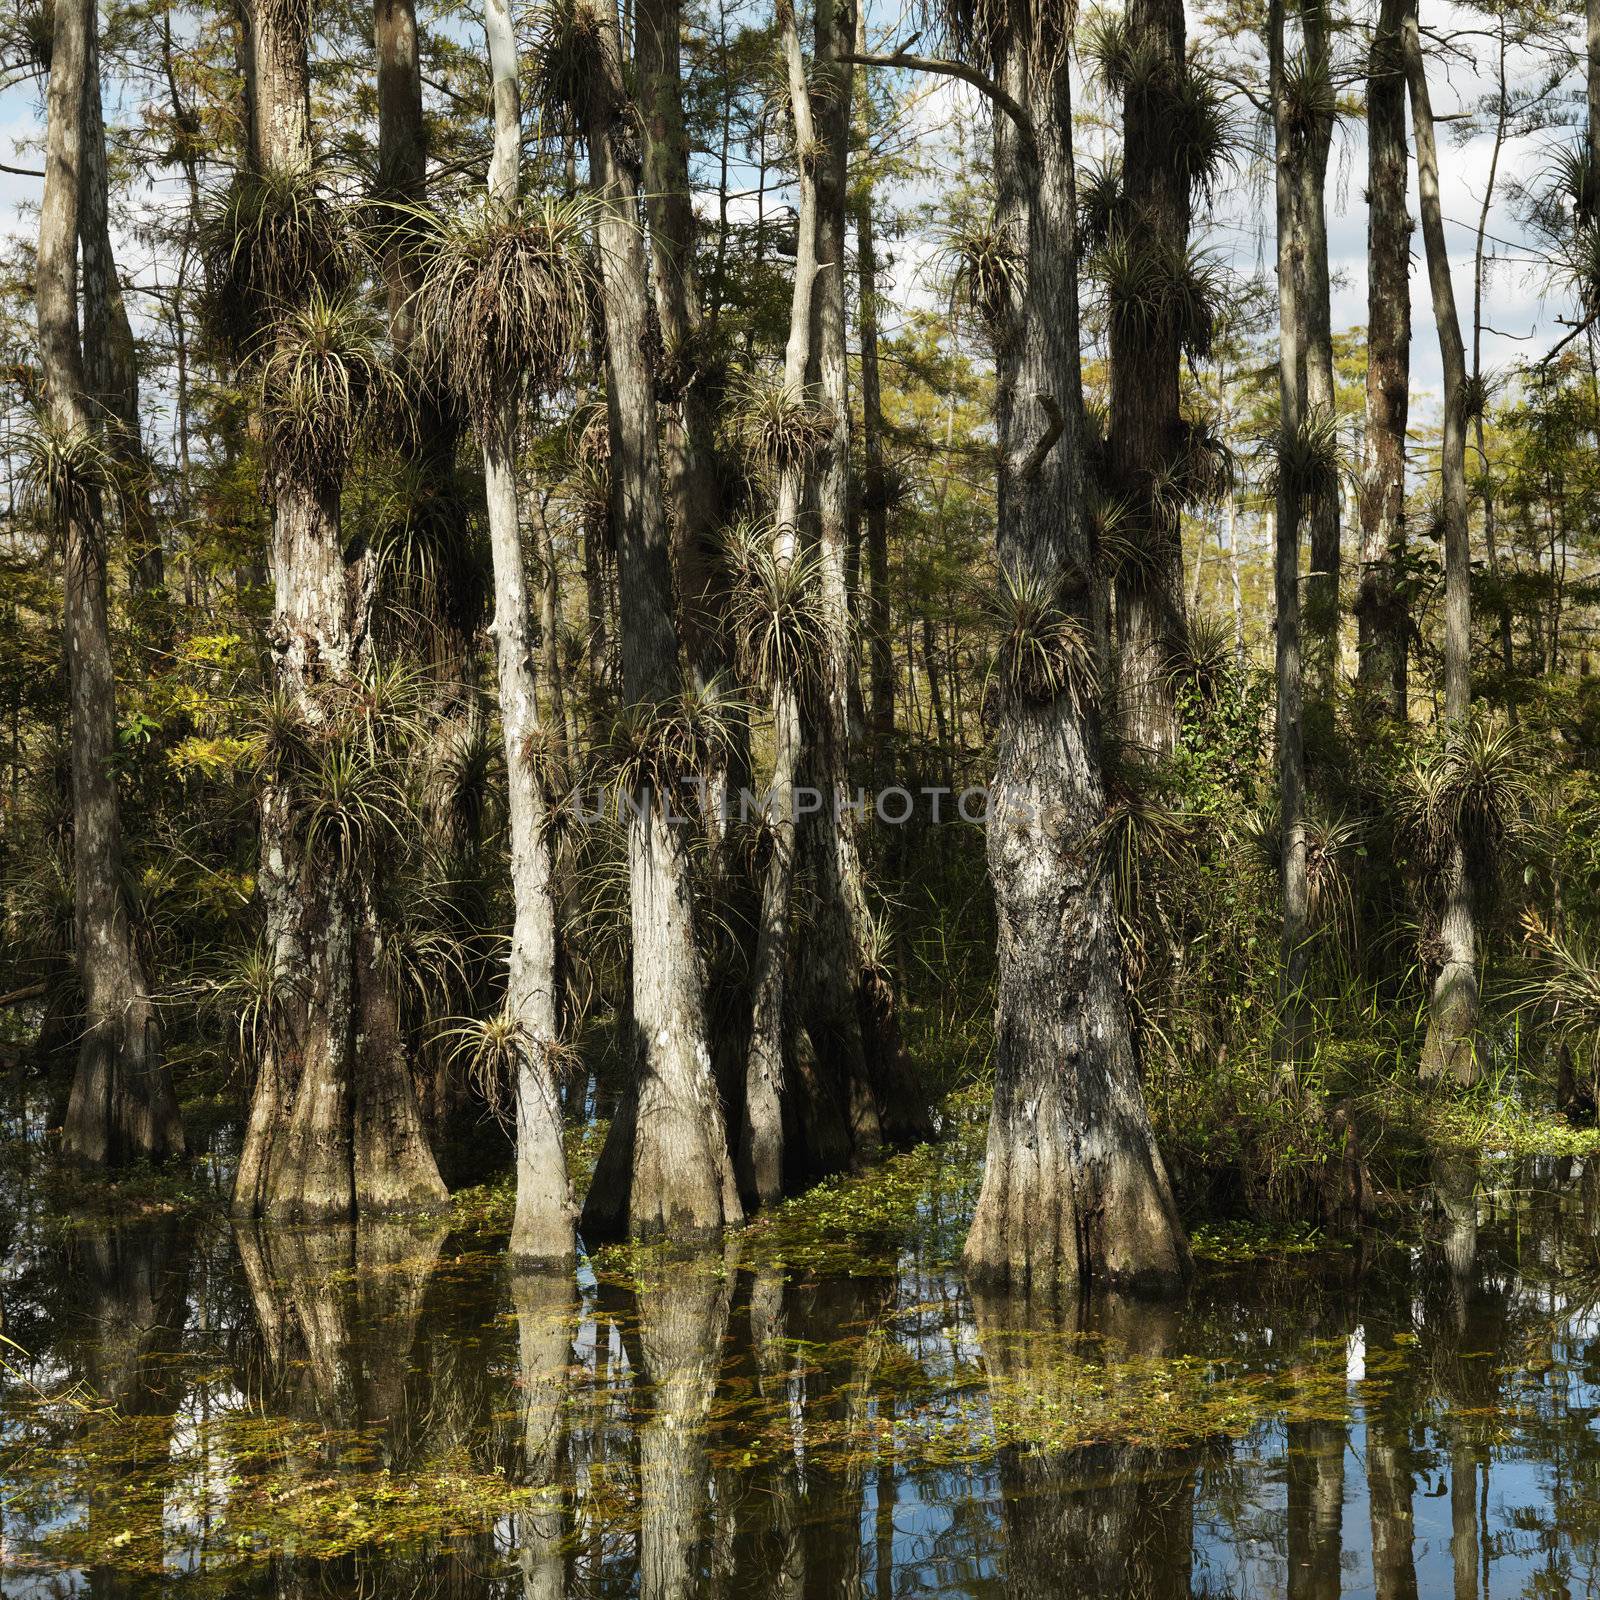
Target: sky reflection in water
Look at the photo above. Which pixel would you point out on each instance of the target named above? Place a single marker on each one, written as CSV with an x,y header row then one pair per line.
x,y
389,1411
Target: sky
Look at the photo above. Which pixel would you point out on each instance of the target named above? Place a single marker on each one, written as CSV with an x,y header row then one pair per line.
x,y
1521,313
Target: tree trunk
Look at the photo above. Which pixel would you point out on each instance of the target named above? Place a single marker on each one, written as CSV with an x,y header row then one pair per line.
x,y
874,488
666,1165
760,1157
122,1106
848,1001
1380,611
111,367
541,1229
441,594
1074,1189
1146,423
1450,1047
1292,883
1322,515
334,1125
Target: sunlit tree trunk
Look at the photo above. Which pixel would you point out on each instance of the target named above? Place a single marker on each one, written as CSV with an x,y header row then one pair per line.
x,y
1074,1188
542,1228
1380,611
666,1166
122,1106
334,1126
1449,1051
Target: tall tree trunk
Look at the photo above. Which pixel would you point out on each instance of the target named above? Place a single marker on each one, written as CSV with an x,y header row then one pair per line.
x,y
111,367
849,1002
761,1131
1380,611
1146,423
1292,883
666,1166
542,1227
1074,1189
875,487
334,1126
687,418
1591,17
450,597
1322,514
1450,1047
122,1106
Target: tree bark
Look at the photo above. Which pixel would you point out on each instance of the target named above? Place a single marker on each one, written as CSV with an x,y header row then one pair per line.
x,y
1450,1047
111,367
1380,611
666,1166
1074,1189
760,1155
121,1106
542,1227
1322,514
849,1005
1146,422
334,1125
1292,883
874,488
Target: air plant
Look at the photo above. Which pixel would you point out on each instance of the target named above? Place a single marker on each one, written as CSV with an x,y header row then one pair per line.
x,y
663,745
65,471
775,607
1101,201
984,266
506,297
250,994
1311,101
565,61
1045,651
1309,458
327,368
779,431
348,805
267,240
1154,290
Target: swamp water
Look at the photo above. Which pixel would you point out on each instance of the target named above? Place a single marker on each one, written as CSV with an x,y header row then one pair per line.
x,y
819,1410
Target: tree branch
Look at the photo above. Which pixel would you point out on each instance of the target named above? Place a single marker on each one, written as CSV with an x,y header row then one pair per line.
x,y
982,82
1034,459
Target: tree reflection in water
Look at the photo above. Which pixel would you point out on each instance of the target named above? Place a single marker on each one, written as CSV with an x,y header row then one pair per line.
x,y
389,1410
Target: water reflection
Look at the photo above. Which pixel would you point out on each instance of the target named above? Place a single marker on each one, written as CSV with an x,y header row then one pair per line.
x,y
390,1410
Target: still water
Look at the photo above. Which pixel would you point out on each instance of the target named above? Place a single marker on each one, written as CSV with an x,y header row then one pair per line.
x,y
388,1411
